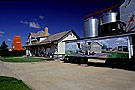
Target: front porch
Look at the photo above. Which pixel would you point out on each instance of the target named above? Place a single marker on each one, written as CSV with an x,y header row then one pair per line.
x,y
41,50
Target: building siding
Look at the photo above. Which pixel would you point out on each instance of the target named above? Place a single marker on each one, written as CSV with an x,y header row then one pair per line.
x,y
61,45
51,46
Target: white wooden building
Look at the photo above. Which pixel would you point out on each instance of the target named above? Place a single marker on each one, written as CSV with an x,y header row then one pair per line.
x,y
44,44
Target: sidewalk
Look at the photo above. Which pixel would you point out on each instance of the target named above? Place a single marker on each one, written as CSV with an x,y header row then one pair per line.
x,y
5,71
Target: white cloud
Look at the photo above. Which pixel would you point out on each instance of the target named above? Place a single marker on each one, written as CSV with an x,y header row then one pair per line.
x,y
120,39
42,17
1,35
34,25
1,32
24,22
107,39
9,40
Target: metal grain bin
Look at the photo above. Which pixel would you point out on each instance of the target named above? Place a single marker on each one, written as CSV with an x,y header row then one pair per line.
x,y
91,27
108,17
127,9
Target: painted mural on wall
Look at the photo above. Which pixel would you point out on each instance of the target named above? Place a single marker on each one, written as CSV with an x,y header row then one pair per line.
x,y
116,47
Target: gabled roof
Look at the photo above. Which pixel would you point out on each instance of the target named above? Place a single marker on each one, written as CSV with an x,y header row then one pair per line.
x,y
38,34
99,44
51,38
58,36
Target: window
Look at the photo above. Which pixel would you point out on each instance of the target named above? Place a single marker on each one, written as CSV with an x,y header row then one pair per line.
x,y
78,45
38,39
89,43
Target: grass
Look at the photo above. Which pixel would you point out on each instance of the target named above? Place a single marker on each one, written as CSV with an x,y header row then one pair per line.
x,y
10,83
17,59
69,53
118,55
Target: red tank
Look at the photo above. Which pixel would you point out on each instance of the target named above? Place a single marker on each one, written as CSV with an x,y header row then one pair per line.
x,y
17,43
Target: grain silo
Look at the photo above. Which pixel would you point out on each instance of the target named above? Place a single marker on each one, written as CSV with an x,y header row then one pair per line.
x,y
91,27
127,10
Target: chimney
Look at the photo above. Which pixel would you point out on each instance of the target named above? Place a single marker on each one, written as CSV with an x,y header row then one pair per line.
x,y
46,31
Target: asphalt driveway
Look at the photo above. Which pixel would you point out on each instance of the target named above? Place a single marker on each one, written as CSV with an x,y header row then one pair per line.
x,y
56,75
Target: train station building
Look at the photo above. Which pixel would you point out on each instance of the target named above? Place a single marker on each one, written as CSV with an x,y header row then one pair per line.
x,y
44,44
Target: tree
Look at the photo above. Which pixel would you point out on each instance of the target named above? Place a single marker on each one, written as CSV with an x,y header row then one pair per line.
x,y
3,46
4,49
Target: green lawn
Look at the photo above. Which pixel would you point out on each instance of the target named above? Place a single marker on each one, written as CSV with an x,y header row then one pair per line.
x,y
118,55
10,83
17,59
69,53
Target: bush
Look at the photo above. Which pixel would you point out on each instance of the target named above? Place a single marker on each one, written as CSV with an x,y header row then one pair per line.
x,y
12,53
17,53
4,51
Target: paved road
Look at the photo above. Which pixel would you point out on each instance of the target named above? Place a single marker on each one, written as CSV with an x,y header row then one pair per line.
x,y
54,75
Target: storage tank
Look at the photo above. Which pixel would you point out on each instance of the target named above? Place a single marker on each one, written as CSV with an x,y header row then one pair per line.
x,y
91,27
127,10
108,17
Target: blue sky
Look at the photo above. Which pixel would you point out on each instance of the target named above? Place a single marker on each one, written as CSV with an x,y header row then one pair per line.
x,y
19,17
